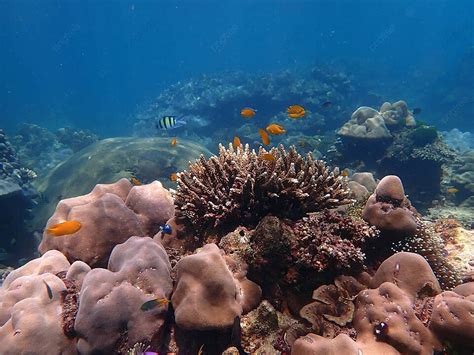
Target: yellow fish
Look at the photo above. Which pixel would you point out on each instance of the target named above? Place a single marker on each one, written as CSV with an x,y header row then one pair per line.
x,y
268,156
453,190
248,112
64,228
153,303
174,141
236,143
264,135
275,129
345,172
296,111
174,177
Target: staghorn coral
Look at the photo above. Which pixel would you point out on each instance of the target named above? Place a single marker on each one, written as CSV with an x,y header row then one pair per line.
x,y
329,240
239,187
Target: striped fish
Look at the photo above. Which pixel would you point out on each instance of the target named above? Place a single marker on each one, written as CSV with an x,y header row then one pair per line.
x,y
166,122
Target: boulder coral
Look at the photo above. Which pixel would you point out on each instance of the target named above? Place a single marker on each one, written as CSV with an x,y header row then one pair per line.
x,y
239,187
36,304
365,123
368,123
109,215
207,296
387,317
389,210
110,319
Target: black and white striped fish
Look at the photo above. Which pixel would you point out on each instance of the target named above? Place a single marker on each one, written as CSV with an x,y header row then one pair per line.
x,y
169,122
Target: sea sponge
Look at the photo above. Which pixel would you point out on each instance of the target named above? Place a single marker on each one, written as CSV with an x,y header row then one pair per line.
x,y
109,215
389,210
109,319
240,186
37,307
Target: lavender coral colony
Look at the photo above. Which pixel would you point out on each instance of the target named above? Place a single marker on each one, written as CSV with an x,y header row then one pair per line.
x,y
257,251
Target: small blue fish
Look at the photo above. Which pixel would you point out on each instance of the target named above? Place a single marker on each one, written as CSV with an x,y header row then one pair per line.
x,y
170,122
166,229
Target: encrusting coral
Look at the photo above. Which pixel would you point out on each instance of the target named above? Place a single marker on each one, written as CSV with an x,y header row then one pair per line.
x,y
240,186
328,240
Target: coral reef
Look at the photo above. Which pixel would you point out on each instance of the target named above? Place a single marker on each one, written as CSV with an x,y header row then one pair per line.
x,y
319,281
109,215
76,139
368,123
210,100
389,210
206,295
432,247
328,240
400,313
391,142
239,187
110,160
38,148
365,123
459,141
36,301
16,201
109,319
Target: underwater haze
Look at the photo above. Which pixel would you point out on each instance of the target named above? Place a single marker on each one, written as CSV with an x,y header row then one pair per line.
x,y
236,177
95,64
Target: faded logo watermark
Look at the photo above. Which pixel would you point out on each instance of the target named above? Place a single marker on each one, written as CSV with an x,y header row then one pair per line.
x,y
66,38
224,39
455,110
382,38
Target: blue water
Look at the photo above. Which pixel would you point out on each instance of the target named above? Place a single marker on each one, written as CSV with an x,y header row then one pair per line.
x,y
95,64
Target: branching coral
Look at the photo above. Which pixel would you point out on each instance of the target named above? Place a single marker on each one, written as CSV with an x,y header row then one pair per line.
x,y
240,186
329,240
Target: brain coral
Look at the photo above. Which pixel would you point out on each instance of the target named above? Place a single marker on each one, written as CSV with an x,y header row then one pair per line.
x,y
240,186
109,215
109,318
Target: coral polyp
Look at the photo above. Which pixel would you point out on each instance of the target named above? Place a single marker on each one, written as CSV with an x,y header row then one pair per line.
x,y
240,186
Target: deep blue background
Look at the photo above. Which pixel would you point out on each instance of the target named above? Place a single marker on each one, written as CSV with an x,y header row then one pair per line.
x,y
94,64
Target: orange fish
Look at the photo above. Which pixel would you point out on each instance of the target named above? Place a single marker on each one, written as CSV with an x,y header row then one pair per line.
x,y
236,143
264,135
453,190
135,181
296,111
64,228
275,129
268,156
248,112
174,141
174,177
